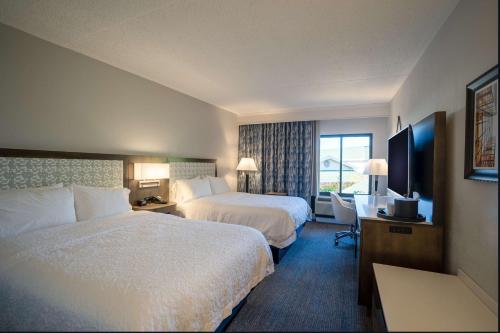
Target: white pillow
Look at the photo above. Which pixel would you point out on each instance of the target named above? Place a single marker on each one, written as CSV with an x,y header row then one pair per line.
x,y
178,192
32,209
93,202
201,187
189,189
218,185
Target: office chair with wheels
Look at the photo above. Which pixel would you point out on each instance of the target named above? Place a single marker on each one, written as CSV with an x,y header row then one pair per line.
x,y
345,213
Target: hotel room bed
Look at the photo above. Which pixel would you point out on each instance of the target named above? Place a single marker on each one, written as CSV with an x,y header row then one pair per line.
x,y
277,217
133,271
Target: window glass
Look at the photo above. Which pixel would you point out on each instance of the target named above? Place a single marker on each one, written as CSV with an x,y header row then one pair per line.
x,y
342,160
355,155
329,164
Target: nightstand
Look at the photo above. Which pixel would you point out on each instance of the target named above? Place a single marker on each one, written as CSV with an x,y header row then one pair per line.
x,y
277,193
167,208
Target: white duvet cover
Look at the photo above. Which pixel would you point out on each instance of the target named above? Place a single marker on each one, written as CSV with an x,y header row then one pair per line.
x,y
276,217
136,271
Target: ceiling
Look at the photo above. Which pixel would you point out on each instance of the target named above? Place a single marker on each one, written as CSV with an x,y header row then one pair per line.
x,y
247,56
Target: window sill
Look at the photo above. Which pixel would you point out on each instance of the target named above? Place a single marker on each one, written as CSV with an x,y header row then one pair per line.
x,y
328,199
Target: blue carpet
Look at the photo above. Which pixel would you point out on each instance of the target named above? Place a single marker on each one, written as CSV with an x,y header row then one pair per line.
x,y
314,288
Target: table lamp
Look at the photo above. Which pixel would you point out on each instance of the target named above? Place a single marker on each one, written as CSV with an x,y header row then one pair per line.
x,y
246,165
376,167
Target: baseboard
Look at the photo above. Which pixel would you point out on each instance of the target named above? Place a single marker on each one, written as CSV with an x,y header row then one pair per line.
x,y
478,291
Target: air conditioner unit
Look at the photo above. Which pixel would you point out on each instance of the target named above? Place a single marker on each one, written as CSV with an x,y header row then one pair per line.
x,y
323,206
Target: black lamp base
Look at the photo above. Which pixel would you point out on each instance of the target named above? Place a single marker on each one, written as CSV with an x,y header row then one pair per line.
x,y
247,180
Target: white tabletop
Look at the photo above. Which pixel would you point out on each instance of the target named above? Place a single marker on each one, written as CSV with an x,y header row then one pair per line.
x,y
415,300
367,205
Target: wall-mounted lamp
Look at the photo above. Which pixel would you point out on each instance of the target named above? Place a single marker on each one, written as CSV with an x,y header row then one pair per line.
x,y
149,174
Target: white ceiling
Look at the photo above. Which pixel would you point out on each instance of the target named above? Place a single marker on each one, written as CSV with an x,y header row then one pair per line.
x,y
247,56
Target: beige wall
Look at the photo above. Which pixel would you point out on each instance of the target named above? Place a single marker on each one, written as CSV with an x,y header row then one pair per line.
x,y
375,126
464,48
55,99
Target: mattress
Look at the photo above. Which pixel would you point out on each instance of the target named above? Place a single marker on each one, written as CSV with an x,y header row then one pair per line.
x,y
136,271
277,217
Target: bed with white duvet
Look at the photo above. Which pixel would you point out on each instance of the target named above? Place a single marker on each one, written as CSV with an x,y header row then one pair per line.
x,y
277,217
125,271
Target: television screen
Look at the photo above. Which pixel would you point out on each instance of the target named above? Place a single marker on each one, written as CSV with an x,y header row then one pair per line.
x,y
398,163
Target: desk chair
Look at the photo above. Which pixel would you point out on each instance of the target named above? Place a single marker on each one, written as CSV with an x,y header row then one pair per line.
x,y
345,213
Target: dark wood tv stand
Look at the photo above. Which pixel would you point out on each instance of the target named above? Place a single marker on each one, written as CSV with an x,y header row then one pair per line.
x,y
411,245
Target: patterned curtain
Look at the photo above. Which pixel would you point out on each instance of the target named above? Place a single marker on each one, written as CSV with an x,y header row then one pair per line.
x,y
250,145
284,154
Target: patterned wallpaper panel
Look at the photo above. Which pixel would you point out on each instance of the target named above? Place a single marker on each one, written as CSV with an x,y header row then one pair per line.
x,y
186,170
19,172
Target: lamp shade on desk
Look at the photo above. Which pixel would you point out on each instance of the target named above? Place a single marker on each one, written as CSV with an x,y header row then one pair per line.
x,y
246,165
376,167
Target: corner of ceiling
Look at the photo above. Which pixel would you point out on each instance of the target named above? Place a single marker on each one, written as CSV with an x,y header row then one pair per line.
x,y
375,110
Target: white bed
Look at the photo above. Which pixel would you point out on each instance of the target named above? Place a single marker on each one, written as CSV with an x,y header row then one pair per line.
x,y
133,271
277,217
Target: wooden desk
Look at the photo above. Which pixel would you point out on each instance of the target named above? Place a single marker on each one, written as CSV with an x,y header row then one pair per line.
x,y
413,245
416,300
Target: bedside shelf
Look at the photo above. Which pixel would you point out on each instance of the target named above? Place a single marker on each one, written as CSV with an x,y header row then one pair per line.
x,y
160,208
277,193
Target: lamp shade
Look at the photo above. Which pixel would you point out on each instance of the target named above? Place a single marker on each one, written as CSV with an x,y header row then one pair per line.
x,y
150,171
376,167
246,164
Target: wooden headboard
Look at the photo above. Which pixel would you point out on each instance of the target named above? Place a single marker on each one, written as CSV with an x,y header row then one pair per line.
x,y
30,168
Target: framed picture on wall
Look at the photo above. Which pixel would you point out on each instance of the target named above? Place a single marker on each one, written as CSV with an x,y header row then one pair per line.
x,y
481,128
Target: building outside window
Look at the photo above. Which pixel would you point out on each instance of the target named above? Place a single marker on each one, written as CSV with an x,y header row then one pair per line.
x,y
342,160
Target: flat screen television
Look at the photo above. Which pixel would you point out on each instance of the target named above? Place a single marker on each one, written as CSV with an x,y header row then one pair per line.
x,y
400,162
416,157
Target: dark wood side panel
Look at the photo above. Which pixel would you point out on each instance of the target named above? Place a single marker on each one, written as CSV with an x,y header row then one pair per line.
x,y
439,190
411,245
192,159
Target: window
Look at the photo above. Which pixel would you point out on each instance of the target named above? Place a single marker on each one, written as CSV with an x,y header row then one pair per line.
x,y
342,159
